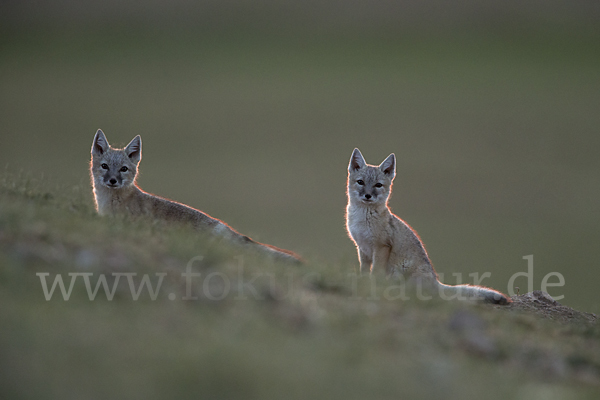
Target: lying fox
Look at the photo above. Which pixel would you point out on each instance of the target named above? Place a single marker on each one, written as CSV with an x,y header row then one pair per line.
x,y
114,173
383,240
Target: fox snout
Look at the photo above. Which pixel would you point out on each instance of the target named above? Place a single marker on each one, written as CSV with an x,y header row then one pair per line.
x,y
368,197
112,181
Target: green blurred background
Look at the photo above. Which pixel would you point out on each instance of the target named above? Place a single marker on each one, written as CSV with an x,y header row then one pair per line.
x,y
249,111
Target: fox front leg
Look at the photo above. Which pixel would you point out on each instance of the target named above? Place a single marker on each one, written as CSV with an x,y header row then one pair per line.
x,y
381,257
365,262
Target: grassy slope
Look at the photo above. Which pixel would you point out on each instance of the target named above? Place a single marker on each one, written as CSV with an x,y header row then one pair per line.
x,y
311,334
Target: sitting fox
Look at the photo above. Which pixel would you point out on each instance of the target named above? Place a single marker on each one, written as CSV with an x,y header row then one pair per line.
x,y
114,173
384,241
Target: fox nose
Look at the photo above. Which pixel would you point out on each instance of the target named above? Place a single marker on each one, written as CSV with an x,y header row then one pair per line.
x,y
367,196
113,181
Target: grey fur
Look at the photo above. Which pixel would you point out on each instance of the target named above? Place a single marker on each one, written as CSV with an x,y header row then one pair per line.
x,y
114,171
384,241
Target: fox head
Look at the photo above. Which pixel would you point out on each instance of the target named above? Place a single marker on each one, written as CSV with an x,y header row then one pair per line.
x,y
114,168
368,184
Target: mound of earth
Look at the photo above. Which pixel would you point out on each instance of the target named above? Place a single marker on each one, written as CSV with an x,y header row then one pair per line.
x,y
541,303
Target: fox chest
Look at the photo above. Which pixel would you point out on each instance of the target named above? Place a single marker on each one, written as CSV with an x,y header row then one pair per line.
x,y
367,231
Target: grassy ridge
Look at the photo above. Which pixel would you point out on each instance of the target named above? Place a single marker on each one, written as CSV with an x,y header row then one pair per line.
x,y
278,332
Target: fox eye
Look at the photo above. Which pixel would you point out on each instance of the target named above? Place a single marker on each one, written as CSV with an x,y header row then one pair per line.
x,y
104,166
124,169
360,182
378,185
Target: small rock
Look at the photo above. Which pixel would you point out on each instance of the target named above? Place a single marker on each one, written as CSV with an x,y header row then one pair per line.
x,y
86,259
463,320
541,297
472,331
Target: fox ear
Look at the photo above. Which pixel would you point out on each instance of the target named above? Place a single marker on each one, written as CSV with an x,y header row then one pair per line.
x,y
134,149
388,166
100,144
357,161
